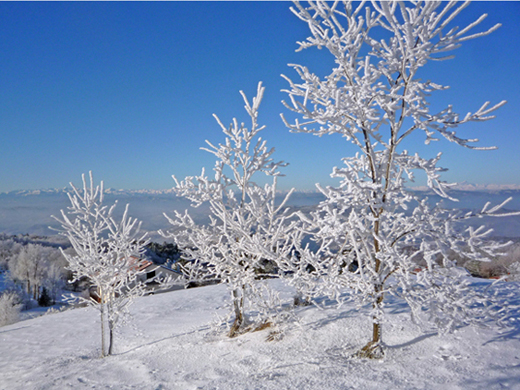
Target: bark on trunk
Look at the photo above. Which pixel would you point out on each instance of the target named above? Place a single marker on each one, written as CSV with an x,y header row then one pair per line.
x,y
238,303
102,330
110,337
374,348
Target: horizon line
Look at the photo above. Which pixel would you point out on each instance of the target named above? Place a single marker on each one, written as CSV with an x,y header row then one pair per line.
x,y
456,187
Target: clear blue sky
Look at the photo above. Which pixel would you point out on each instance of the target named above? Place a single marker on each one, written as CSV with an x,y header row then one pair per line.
x,y
128,89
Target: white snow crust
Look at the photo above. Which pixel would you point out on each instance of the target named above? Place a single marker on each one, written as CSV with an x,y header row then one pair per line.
x,y
170,342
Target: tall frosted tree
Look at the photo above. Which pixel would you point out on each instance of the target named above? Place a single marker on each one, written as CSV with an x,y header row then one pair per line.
x,y
247,227
371,231
107,254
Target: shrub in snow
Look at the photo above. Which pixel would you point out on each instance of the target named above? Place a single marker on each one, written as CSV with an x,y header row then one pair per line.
x,y
107,252
514,271
507,264
247,228
370,230
511,262
10,306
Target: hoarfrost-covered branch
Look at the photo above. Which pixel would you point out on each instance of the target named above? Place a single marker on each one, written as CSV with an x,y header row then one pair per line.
x,y
107,254
248,229
371,235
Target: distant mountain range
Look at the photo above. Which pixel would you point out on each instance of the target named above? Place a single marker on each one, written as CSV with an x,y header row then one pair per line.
x,y
458,187
464,186
54,191
29,211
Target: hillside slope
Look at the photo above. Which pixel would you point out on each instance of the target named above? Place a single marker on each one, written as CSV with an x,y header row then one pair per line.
x,y
169,343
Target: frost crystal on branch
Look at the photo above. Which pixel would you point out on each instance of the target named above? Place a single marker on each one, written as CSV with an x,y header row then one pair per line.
x,y
371,234
248,230
107,254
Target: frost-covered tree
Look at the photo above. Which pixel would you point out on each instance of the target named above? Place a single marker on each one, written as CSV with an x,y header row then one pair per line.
x,y
107,254
10,305
8,248
55,274
36,267
247,226
371,231
29,267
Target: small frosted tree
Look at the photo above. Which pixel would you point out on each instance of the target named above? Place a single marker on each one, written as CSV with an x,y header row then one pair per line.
x,y
247,228
107,254
370,231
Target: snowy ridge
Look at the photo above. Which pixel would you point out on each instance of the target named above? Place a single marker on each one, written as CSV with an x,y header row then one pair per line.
x,y
122,192
112,191
464,186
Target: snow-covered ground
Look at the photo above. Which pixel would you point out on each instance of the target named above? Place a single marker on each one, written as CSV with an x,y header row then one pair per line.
x,y
170,343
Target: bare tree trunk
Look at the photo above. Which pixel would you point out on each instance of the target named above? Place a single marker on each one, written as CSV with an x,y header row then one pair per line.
x,y
374,348
110,336
238,303
102,328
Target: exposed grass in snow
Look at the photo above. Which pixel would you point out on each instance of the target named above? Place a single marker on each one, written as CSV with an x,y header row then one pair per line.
x,y
169,343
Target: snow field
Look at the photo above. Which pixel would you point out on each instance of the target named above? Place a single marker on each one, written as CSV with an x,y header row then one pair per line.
x,y
170,343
